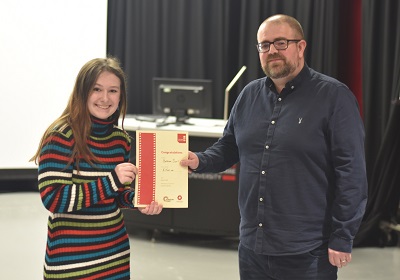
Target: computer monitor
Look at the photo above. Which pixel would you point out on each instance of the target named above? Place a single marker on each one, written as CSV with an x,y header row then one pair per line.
x,y
182,98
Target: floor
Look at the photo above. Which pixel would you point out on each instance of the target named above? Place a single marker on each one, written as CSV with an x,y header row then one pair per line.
x,y
154,256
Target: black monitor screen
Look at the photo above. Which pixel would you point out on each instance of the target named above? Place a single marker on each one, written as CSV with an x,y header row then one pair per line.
x,y
182,97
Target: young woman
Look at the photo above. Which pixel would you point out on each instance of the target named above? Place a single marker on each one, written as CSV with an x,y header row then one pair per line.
x,y
85,177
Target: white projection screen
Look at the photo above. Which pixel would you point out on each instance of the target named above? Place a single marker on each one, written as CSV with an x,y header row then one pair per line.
x,y
43,44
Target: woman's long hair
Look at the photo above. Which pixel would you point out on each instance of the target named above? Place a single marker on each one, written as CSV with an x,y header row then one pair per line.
x,y
77,116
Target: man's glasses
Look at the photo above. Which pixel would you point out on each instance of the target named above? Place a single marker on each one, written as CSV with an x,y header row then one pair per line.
x,y
281,44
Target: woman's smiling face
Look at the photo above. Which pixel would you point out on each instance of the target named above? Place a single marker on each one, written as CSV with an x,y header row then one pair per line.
x,y
104,99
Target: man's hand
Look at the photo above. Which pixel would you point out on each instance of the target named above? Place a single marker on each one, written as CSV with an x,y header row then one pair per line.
x,y
339,259
192,162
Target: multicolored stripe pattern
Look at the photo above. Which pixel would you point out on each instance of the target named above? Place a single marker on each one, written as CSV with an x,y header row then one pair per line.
x,y
87,238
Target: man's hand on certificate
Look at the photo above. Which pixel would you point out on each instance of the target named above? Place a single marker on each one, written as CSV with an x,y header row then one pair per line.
x,y
192,162
153,209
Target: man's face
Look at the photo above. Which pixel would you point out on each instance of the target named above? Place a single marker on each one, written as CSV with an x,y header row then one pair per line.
x,y
278,64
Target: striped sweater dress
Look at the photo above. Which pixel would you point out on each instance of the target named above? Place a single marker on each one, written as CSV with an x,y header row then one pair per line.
x,y
87,238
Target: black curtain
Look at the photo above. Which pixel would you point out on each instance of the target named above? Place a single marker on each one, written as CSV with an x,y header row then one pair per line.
x,y
210,39
381,62
381,87
384,192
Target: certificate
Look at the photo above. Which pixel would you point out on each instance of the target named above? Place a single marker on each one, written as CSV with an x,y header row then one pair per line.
x,y
160,177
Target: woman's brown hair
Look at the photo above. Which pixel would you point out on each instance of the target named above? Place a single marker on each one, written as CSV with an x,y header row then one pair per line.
x,y
76,115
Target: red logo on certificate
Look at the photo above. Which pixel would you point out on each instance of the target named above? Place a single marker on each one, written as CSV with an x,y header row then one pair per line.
x,y
181,138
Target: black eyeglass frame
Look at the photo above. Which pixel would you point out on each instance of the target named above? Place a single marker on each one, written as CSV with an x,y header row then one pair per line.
x,y
258,45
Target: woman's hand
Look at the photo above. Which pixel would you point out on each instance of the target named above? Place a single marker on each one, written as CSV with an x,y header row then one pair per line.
x,y
152,209
126,172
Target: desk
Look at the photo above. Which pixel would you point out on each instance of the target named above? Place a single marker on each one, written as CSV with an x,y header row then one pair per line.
x,y
212,128
213,208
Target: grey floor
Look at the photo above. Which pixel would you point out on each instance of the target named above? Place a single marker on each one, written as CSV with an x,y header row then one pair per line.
x,y
160,256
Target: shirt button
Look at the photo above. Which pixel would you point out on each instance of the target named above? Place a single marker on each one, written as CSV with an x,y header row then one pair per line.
x,y
260,224
292,87
273,122
279,99
261,199
267,147
263,172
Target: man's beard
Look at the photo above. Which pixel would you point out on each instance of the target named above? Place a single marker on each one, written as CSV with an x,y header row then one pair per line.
x,y
279,71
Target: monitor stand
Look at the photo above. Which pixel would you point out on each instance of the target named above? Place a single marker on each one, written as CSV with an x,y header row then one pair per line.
x,y
181,118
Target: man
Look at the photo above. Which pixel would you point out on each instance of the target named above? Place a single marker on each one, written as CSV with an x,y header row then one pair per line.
x,y
299,138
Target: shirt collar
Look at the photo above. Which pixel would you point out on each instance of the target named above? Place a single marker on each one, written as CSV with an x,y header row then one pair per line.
x,y
296,82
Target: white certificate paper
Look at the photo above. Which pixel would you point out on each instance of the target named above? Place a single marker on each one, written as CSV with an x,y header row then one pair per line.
x,y
161,178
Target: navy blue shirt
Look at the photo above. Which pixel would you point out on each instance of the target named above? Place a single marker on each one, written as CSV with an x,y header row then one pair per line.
x,y
302,179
